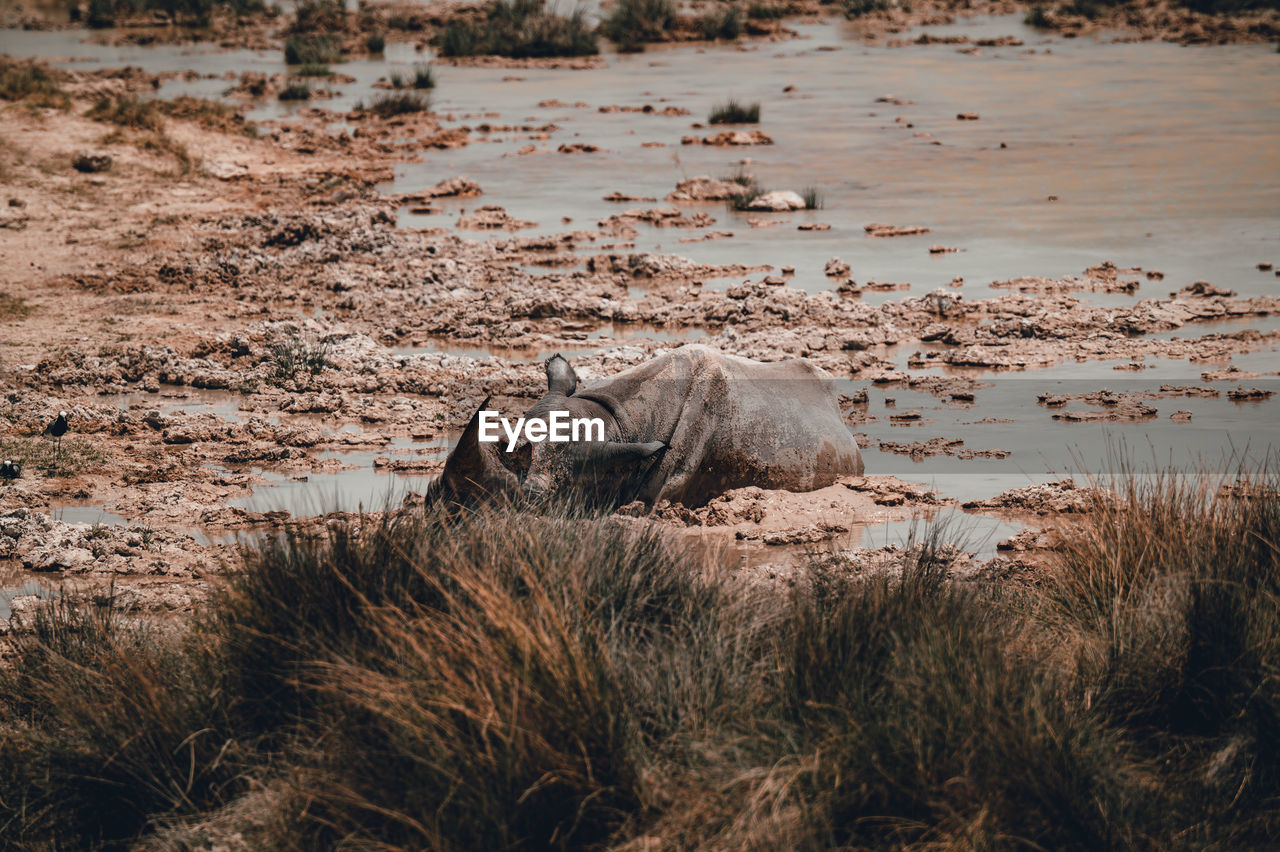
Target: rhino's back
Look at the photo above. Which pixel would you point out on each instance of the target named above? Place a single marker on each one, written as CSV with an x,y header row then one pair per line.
x,y
736,421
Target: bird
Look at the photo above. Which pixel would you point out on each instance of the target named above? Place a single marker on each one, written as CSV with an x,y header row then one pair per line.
x,y
58,428
10,469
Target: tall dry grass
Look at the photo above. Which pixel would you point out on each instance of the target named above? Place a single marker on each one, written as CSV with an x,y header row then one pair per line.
x,y
494,679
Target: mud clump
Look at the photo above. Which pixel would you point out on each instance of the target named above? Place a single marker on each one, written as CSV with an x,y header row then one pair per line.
x,y
1115,407
91,162
941,446
1248,394
729,138
40,543
454,187
491,217
878,230
1062,496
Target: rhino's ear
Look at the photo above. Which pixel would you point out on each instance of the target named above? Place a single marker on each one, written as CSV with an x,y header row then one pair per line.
x,y
475,467
560,376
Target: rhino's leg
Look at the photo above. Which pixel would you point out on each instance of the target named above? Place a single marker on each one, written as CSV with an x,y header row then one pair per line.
x,y
682,469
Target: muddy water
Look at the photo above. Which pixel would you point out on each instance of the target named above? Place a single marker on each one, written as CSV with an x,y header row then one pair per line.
x,y
1130,138
17,583
1159,156
626,333
363,487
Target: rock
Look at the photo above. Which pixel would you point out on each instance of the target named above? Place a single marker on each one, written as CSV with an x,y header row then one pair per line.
x,y
578,148
225,169
492,217
808,534
703,188
1180,417
1201,290
453,187
182,433
1060,496
876,229
91,162
836,268
966,116
1242,393
60,559
1029,539
778,200
623,197
730,137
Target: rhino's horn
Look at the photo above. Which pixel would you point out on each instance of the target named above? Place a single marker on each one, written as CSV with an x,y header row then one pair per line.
x,y
616,453
475,467
560,376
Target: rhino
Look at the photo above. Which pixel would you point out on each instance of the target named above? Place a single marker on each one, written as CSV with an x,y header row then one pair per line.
x,y
684,427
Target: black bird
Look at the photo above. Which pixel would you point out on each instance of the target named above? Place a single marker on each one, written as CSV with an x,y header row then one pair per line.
x,y
58,428
10,470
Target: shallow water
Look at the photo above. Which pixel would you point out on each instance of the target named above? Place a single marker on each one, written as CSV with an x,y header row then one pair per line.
x,y
1136,162
14,584
362,488
1160,156
86,514
1221,431
169,399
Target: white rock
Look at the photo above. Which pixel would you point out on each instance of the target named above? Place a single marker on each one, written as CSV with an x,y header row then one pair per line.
x,y
782,199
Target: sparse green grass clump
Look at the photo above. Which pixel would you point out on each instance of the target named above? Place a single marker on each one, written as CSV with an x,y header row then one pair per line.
x,y
13,307
494,679
312,70
633,22
398,103
295,92
319,16
740,176
311,50
1085,8
1038,18
295,354
424,77
812,198
128,111
725,24
207,113
30,82
750,192
40,454
858,8
145,120
192,13
762,11
1221,7
519,29
732,112
750,188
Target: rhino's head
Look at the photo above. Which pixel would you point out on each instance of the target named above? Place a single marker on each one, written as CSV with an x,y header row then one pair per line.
x,y
475,469
597,467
